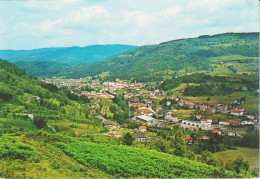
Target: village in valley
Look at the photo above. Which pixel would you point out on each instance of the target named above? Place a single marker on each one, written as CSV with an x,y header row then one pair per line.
x,y
152,107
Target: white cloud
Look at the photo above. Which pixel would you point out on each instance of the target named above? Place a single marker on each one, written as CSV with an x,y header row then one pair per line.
x,y
87,13
86,22
171,11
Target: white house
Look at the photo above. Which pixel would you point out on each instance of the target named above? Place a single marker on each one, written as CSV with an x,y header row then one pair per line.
x,y
142,128
118,134
206,122
223,123
236,113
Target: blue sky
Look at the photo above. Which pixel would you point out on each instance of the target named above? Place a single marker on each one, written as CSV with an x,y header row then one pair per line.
x,y
63,23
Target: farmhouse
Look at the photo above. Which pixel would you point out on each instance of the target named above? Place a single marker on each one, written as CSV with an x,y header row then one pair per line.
x,y
199,116
189,140
140,137
118,134
110,124
234,112
223,123
92,111
204,137
142,128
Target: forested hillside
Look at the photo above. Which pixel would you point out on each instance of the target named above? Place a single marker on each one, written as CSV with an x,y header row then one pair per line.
x,y
22,94
51,62
65,54
223,53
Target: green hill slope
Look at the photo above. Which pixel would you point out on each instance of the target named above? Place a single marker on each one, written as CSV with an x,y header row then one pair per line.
x,y
132,162
156,62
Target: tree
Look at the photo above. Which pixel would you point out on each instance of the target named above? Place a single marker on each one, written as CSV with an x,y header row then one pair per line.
x,y
179,150
128,139
240,165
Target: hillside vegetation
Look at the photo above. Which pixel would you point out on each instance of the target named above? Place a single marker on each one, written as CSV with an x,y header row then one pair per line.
x,y
224,53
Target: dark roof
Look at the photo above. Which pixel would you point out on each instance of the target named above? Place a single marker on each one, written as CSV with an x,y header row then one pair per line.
x,y
139,135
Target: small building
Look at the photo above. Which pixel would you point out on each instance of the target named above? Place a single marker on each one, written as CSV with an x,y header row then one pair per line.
x,y
168,103
236,113
198,116
189,140
247,123
140,137
223,123
191,123
234,123
217,132
146,119
142,128
206,123
158,108
92,111
204,137
118,134
110,124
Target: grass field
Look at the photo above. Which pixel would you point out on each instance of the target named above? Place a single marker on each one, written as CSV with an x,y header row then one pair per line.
x,y
53,164
17,123
250,154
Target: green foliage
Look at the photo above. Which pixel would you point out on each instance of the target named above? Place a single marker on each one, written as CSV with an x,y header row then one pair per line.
x,y
152,63
11,148
128,139
125,161
251,139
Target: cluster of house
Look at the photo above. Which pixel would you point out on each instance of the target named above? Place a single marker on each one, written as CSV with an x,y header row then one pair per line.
x,y
69,83
139,133
95,94
122,84
189,139
231,109
203,123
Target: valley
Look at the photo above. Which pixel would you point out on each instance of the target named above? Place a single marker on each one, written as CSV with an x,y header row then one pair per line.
x,y
187,108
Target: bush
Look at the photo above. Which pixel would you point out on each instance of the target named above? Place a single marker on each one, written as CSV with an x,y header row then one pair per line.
x,y
11,148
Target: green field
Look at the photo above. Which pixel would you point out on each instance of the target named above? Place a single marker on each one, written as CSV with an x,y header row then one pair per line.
x,y
250,154
123,161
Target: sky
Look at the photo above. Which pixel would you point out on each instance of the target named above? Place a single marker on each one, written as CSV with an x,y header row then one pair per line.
x,y
26,24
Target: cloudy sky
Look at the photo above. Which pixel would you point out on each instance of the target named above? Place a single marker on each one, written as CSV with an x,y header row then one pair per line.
x,y
62,23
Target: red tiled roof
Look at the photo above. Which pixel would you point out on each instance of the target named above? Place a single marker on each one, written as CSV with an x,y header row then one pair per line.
x,y
203,137
235,111
118,132
234,122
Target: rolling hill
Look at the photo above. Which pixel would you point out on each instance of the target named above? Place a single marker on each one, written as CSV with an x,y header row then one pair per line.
x,y
65,54
221,53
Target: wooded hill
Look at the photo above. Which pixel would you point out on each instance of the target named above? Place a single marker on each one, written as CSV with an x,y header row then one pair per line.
x,y
222,53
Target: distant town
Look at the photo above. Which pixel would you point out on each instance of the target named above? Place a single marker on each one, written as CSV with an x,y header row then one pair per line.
x,y
148,110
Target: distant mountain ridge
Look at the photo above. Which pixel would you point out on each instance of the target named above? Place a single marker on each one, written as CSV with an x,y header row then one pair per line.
x,y
74,55
219,54
179,57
